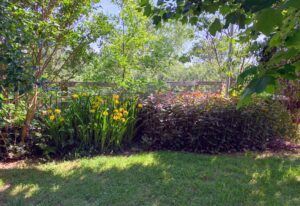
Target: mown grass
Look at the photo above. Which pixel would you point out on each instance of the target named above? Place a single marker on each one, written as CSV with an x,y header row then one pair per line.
x,y
157,178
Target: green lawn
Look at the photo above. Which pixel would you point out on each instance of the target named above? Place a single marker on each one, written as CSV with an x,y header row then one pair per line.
x,y
158,178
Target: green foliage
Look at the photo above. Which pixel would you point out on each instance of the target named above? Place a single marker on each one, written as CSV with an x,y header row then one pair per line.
x,y
201,71
211,52
267,20
45,41
215,26
135,50
274,18
38,39
90,124
12,115
195,122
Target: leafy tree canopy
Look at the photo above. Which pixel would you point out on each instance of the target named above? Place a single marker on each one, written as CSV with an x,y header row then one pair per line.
x,y
277,21
41,39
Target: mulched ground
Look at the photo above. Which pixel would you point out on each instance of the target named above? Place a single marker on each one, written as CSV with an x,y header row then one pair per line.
x,y
284,146
278,147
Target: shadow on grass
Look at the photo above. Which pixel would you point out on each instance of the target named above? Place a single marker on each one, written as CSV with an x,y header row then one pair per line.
x,y
159,178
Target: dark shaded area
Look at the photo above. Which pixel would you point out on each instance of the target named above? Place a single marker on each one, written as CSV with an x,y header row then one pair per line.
x,y
176,179
280,145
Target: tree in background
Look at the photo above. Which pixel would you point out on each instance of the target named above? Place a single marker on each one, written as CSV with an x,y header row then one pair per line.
x,y
44,39
278,21
135,50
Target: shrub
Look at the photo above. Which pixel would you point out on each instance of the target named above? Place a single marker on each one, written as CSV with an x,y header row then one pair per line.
x,y
209,123
12,116
90,124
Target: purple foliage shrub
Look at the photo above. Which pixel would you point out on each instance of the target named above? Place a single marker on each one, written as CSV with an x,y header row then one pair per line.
x,y
210,124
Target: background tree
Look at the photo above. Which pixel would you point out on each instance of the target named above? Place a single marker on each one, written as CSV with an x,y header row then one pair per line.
x,y
274,19
135,50
40,39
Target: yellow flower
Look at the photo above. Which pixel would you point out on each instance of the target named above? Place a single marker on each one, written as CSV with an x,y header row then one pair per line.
x,y
115,117
49,111
75,96
125,113
92,111
51,117
57,111
140,106
105,113
99,99
121,109
116,111
123,119
84,94
115,97
95,105
117,102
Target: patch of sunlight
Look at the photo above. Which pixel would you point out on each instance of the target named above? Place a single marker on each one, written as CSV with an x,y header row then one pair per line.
x,y
292,173
82,177
256,176
4,187
277,194
258,193
294,201
213,160
104,163
100,164
1,183
27,190
286,155
62,169
54,188
167,177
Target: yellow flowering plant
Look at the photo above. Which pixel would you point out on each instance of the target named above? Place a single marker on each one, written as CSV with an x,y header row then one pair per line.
x,y
103,123
55,124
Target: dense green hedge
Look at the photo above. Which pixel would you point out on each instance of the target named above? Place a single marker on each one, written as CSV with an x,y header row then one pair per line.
x,y
211,124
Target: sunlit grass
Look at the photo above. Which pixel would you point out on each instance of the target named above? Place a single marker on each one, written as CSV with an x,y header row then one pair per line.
x,y
158,178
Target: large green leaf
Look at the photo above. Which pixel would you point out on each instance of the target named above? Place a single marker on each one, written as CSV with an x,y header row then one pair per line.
x,y
194,20
294,39
293,3
215,27
257,5
248,72
288,72
235,18
246,97
283,55
258,85
157,20
267,20
261,83
147,10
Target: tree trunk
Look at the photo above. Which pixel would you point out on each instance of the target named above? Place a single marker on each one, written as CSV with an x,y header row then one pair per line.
x,y
230,48
32,106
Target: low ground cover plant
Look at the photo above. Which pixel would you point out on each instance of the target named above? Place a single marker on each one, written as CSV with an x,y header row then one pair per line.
x,y
209,123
